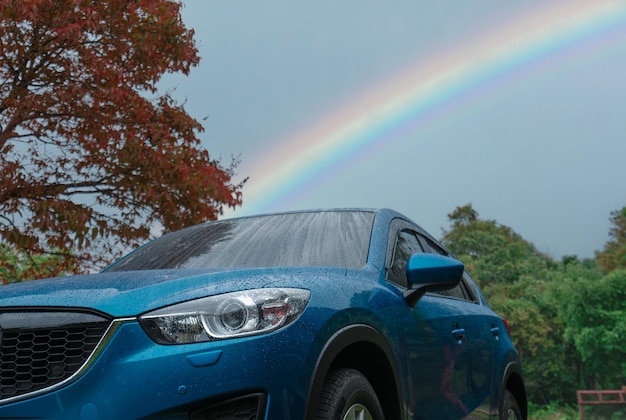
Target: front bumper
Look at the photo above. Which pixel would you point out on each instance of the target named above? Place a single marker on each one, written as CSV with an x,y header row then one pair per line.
x,y
131,377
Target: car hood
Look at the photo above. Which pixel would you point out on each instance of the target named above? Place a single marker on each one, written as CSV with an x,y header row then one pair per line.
x,y
126,294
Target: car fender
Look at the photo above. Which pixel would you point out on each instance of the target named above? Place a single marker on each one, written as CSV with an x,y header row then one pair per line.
x,y
512,378
336,344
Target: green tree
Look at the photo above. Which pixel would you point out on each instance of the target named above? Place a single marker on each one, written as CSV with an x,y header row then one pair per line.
x,y
91,154
516,280
568,319
493,253
15,266
593,309
613,256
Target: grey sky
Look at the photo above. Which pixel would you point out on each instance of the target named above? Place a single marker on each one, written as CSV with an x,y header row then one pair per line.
x,y
541,150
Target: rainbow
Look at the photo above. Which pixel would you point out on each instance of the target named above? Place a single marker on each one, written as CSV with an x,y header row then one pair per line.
x,y
375,118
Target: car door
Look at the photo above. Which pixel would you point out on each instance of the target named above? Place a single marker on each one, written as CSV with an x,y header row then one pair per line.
x,y
437,350
441,361
484,330
481,333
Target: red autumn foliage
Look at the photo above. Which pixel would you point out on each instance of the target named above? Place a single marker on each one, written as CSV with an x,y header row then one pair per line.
x,y
91,156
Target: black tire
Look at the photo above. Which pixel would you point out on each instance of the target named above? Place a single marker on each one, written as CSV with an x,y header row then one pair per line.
x,y
346,392
510,407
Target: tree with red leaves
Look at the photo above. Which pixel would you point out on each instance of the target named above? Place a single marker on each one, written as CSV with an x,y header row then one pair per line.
x,y
92,157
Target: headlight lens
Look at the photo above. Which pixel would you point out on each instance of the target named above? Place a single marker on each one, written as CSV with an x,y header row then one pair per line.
x,y
230,315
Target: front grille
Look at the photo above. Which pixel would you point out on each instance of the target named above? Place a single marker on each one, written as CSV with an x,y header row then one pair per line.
x,y
42,349
248,407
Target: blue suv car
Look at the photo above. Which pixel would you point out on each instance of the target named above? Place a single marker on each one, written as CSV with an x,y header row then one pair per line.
x,y
326,314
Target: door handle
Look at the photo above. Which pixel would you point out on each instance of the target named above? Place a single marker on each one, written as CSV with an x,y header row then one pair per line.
x,y
495,331
459,335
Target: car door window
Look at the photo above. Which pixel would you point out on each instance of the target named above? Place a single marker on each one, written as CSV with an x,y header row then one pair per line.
x,y
406,244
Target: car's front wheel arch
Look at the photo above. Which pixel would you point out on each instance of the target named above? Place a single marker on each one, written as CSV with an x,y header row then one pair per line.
x,y
362,348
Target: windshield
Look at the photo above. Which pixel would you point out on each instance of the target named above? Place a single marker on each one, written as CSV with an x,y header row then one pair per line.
x,y
306,239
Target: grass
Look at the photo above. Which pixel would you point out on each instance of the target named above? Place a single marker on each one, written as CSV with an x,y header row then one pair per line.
x,y
556,412
552,412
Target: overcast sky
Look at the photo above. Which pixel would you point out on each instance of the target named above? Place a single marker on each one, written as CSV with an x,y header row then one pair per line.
x,y
516,107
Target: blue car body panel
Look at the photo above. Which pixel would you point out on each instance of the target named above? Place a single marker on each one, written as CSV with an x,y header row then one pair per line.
x,y
441,359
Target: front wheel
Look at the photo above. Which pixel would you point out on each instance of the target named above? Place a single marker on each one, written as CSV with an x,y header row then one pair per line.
x,y
348,395
510,407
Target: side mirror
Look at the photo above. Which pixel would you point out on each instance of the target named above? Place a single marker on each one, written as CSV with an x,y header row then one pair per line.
x,y
431,272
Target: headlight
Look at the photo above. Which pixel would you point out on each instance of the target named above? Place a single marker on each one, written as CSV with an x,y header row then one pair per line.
x,y
230,315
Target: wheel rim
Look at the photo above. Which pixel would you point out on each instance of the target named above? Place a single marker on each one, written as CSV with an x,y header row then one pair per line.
x,y
510,415
358,412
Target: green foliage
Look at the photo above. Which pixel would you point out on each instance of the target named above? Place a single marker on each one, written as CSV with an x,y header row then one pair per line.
x,y
594,309
605,412
16,266
494,253
568,318
529,306
614,254
552,412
